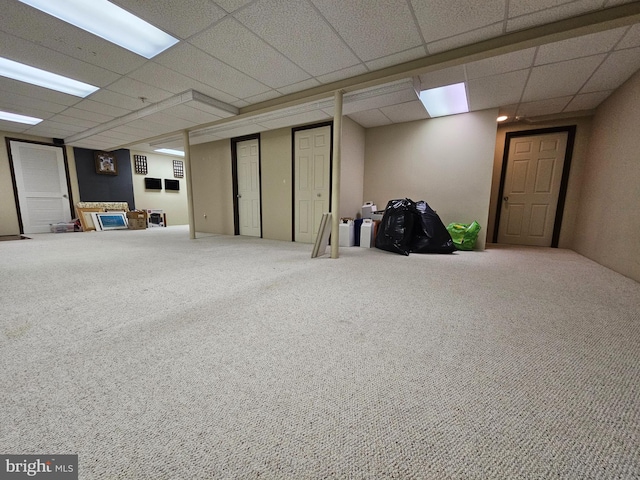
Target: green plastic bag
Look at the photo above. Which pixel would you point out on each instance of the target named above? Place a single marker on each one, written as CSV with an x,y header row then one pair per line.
x,y
464,236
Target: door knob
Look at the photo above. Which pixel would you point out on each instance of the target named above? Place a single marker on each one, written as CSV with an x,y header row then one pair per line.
x,y
65,196
239,196
319,194
506,199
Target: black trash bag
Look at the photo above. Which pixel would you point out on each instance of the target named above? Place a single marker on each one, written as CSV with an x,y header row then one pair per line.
x,y
429,233
396,226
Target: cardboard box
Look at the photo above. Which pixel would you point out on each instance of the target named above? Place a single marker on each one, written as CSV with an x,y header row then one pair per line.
x,y
137,215
137,223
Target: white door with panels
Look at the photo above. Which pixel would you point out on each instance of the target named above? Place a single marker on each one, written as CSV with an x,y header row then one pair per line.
x,y
248,168
531,189
41,183
312,165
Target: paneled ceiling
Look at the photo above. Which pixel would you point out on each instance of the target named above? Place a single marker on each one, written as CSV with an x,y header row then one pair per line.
x,y
245,66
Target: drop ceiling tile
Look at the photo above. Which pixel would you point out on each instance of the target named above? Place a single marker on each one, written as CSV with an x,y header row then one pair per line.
x,y
59,129
194,63
263,97
144,125
439,78
131,129
614,71
300,33
166,118
25,104
198,117
299,119
180,19
543,107
235,45
121,137
101,108
631,39
369,103
298,87
467,38
578,47
370,118
13,127
14,87
81,114
440,19
530,13
558,79
81,123
405,112
586,101
508,110
232,5
390,23
52,61
342,74
136,89
7,106
490,92
396,58
47,31
117,100
509,62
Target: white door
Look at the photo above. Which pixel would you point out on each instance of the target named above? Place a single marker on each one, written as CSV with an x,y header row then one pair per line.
x,y
312,162
248,168
41,182
531,189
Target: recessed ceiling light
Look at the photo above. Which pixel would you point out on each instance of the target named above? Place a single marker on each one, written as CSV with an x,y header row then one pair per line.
x,y
170,152
502,118
42,78
14,117
108,21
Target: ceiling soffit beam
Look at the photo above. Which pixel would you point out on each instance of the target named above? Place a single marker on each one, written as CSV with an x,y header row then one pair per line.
x,y
224,109
594,22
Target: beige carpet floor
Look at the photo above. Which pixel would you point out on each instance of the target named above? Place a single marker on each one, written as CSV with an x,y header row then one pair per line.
x,y
153,356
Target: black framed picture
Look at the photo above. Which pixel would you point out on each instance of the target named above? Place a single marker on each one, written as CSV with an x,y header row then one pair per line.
x,y
106,163
178,168
140,164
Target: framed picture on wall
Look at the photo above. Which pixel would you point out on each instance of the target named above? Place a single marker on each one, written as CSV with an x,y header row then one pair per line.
x,y
106,163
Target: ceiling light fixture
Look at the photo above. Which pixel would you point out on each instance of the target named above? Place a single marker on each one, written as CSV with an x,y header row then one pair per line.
x,y
502,118
42,78
447,100
108,21
170,151
14,117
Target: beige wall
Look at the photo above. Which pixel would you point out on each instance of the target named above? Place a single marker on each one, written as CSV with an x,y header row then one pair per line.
x,y
580,149
8,213
446,162
351,168
212,187
275,166
174,204
609,227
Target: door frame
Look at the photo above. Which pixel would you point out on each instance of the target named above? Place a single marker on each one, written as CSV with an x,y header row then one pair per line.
x,y
571,135
14,182
234,175
293,168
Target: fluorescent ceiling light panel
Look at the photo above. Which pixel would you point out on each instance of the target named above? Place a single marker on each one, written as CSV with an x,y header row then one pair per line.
x,y
14,117
170,152
447,100
108,21
42,78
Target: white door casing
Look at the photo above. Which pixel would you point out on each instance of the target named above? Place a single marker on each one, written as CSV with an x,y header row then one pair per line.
x,y
312,163
41,184
531,189
248,168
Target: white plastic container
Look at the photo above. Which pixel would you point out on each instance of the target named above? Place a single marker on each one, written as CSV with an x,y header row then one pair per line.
x,y
366,233
347,233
